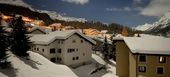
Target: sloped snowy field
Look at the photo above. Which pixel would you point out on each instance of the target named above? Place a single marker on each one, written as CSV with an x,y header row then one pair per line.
x,y
38,66
84,71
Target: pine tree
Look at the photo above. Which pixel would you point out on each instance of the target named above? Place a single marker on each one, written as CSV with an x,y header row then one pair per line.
x,y
113,51
3,47
105,49
20,41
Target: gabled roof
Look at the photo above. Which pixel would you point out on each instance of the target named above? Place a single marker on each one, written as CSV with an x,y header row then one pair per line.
x,y
37,28
46,39
148,45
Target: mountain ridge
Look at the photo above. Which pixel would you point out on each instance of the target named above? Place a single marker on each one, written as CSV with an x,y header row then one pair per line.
x,y
160,27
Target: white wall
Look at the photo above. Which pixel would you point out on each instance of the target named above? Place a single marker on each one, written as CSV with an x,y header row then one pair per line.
x,y
83,48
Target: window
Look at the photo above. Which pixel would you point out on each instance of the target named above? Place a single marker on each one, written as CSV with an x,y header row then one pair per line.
x,y
160,70
53,60
83,54
77,49
162,59
59,59
52,50
142,58
141,68
59,50
77,58
58,41
73,58
81,41
34,48
37,49
62,41
70,50
74,41
43,50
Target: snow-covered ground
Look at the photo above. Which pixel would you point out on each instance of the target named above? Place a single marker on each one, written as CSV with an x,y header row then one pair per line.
x,y
84,71
38,66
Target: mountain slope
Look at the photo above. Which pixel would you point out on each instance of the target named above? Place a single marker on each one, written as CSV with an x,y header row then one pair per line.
x,y
160,27
25,11
22,8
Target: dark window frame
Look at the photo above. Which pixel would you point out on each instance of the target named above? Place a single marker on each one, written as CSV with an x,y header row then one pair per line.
x,y
74,41
59,50
37,49
73,58
53,59
160,70
52,51
82,41
142,58
42,50
77,58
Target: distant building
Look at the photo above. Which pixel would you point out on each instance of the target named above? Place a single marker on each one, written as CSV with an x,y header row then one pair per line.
x,y
37,30
56,26
68,47
68,28
142,57
91,32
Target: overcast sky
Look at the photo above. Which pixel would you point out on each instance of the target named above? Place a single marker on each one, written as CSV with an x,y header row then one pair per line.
x,y
126,12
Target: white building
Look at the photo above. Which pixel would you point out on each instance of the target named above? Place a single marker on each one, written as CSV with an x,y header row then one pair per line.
x,y
69,47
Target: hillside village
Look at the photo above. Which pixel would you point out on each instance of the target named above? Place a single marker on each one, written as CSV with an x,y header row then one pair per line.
x,y
39,45
76,48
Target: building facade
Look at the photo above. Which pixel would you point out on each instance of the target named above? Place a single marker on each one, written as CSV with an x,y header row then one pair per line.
x,y
66,47
142,57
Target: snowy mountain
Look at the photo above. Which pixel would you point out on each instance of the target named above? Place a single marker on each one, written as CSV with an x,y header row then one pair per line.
x,y
52,14
15,2
163,23
144,27
55,15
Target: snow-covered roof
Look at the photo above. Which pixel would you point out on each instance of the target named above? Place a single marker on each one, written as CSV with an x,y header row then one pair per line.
x,y
48,38
37,28
148,45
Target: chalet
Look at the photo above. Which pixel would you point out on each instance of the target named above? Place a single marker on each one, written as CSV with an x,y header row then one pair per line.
x,y
69,47
142,57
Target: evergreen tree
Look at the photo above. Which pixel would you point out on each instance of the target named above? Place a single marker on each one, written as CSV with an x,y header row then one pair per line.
x,y
20,41
113,51
3,47
105,49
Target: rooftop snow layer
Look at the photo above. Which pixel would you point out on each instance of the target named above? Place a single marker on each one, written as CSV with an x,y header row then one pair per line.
x,y
48,38
148,45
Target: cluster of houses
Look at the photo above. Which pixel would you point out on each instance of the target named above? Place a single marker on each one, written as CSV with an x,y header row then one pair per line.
x,y
137,56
